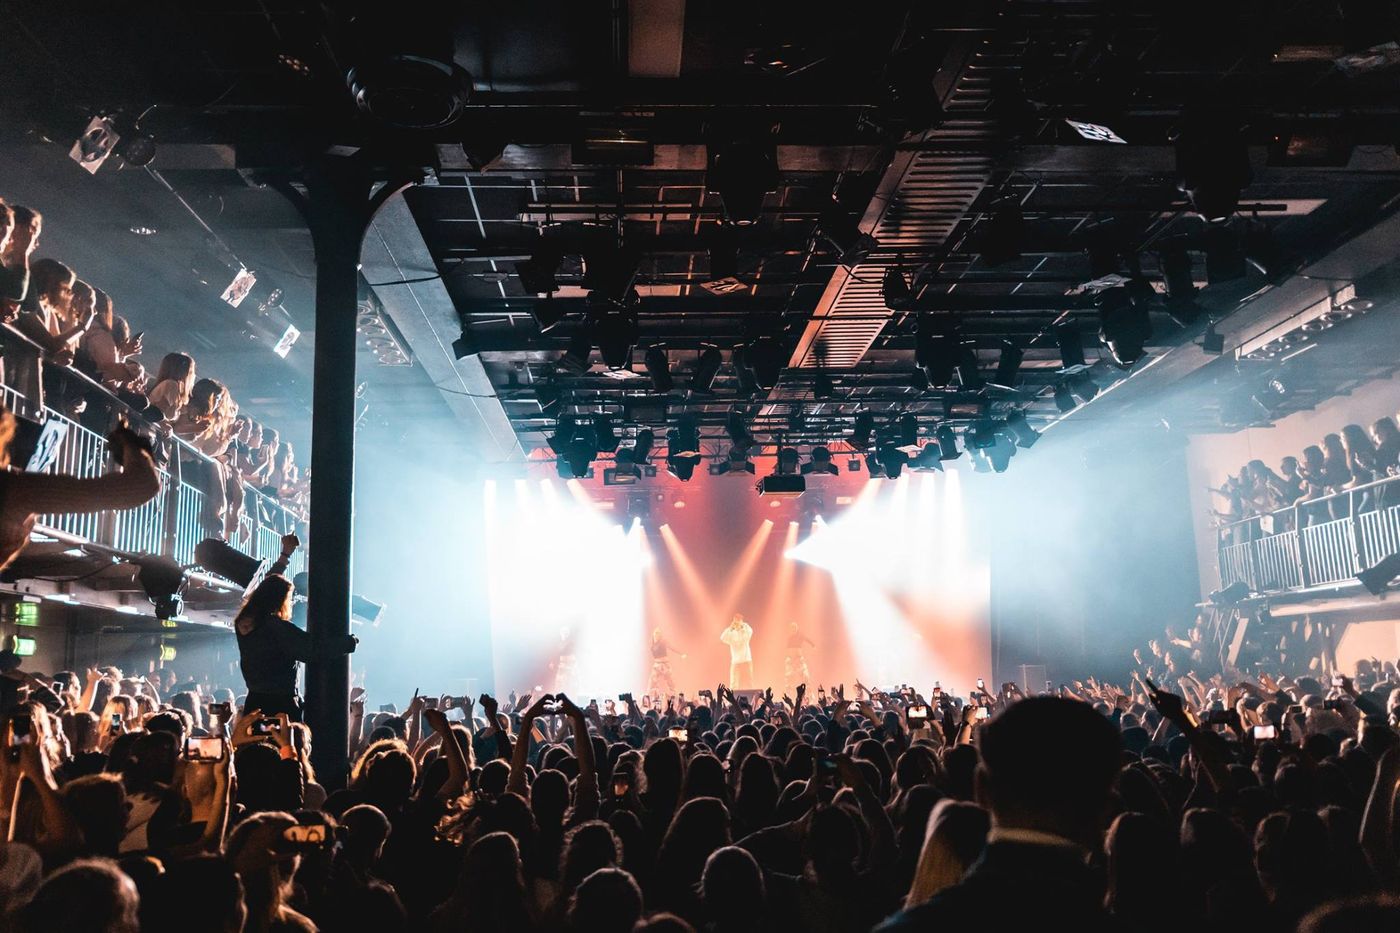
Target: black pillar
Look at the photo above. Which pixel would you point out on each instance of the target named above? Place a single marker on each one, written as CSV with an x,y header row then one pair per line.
x,y
339,201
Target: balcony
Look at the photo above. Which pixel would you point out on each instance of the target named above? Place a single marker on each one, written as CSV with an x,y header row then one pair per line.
x,y
1313,545
91,559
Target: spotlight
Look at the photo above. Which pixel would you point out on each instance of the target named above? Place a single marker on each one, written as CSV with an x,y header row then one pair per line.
x,y
465,345
684,439
615,332
839,228
895,290
624,470
969,376
738,432
1212,161
822,386
853,464
641,450
864,428
820,462
908,429
136,148
608,271
892,460
164,582
581,453
936,349
737,461
765,355
927,459
1021,429
604,434
997,238
228,562
1124,325
743,372
1064,398
782,485
1008,365
575,360
682,468
564,430
787,460
742,172
537,274
706,369
658,365
1071,345
98,141
723,251
1377,579
947,443
981,436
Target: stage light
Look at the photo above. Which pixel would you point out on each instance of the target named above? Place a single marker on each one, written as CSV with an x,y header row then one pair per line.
x,y
894,289
564,430
575,360
739,434
641,448
137,149
1021,430
658,365
864,428
1212,161
1377,578
743,373
928,458
741,173
1212,341
96,144
1064,398
1084,386
604,433
839,228
1008,365
580,454
997,238
624,470
547,394
609,269
822,386
873,466
537,274
736,461
164,582
615,332
908,429
853,464
1071,344
820,462
684,438
465,345
682,468
892,460
981,436
947,443
936,348
969,376
706,369
766,357
1124,325
723,254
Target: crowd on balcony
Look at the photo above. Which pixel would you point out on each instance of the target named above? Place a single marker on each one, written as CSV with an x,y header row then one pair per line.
x,y
1343,461
77,329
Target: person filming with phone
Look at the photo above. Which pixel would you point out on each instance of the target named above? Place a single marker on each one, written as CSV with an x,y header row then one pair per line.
x,y
269,645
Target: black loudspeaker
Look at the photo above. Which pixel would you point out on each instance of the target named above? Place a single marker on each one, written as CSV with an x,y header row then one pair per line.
x,y
1377,578
228,562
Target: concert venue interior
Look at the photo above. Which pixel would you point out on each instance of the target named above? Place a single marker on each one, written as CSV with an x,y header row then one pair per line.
x,y
968,352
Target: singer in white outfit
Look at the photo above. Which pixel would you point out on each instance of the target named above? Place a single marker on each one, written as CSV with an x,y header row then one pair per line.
x,y
737,636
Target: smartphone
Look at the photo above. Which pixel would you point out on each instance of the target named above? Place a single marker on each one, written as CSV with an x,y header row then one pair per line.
x,y
1220,717
59,686
264,727
678,733
305,837
1049,687
646,702
1335,705
116,722
981,684
984,713
622,783
827,765
938,693
137,336
1337,680
387,708
625,697
205,749
1266,732
918,717
221,710
853,707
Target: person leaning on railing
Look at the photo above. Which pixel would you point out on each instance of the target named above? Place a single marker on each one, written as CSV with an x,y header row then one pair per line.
x,y
25,496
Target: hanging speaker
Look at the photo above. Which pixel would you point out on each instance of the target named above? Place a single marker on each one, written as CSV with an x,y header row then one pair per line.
x,y
228,562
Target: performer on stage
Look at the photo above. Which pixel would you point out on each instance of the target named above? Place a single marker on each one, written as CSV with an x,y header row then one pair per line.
x,y
737,636
794,664
661,683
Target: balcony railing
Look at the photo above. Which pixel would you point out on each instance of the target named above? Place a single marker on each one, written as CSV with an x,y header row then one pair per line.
x,y
1316,542
170,524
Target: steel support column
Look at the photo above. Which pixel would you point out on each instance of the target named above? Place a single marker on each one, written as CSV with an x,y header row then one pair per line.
x,y
338,199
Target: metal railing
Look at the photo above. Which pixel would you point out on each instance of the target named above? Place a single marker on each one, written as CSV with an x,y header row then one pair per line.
x,y
1315,542
173,522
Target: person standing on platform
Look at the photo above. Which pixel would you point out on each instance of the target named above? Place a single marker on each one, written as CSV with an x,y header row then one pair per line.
x,y
794,662
662,682
737,636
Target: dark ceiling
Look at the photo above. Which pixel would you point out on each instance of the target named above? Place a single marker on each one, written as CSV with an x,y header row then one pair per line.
x,y
928,127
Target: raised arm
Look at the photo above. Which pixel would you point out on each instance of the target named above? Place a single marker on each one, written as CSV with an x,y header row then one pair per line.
x,y
136,484
521,753
457,772
586,797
